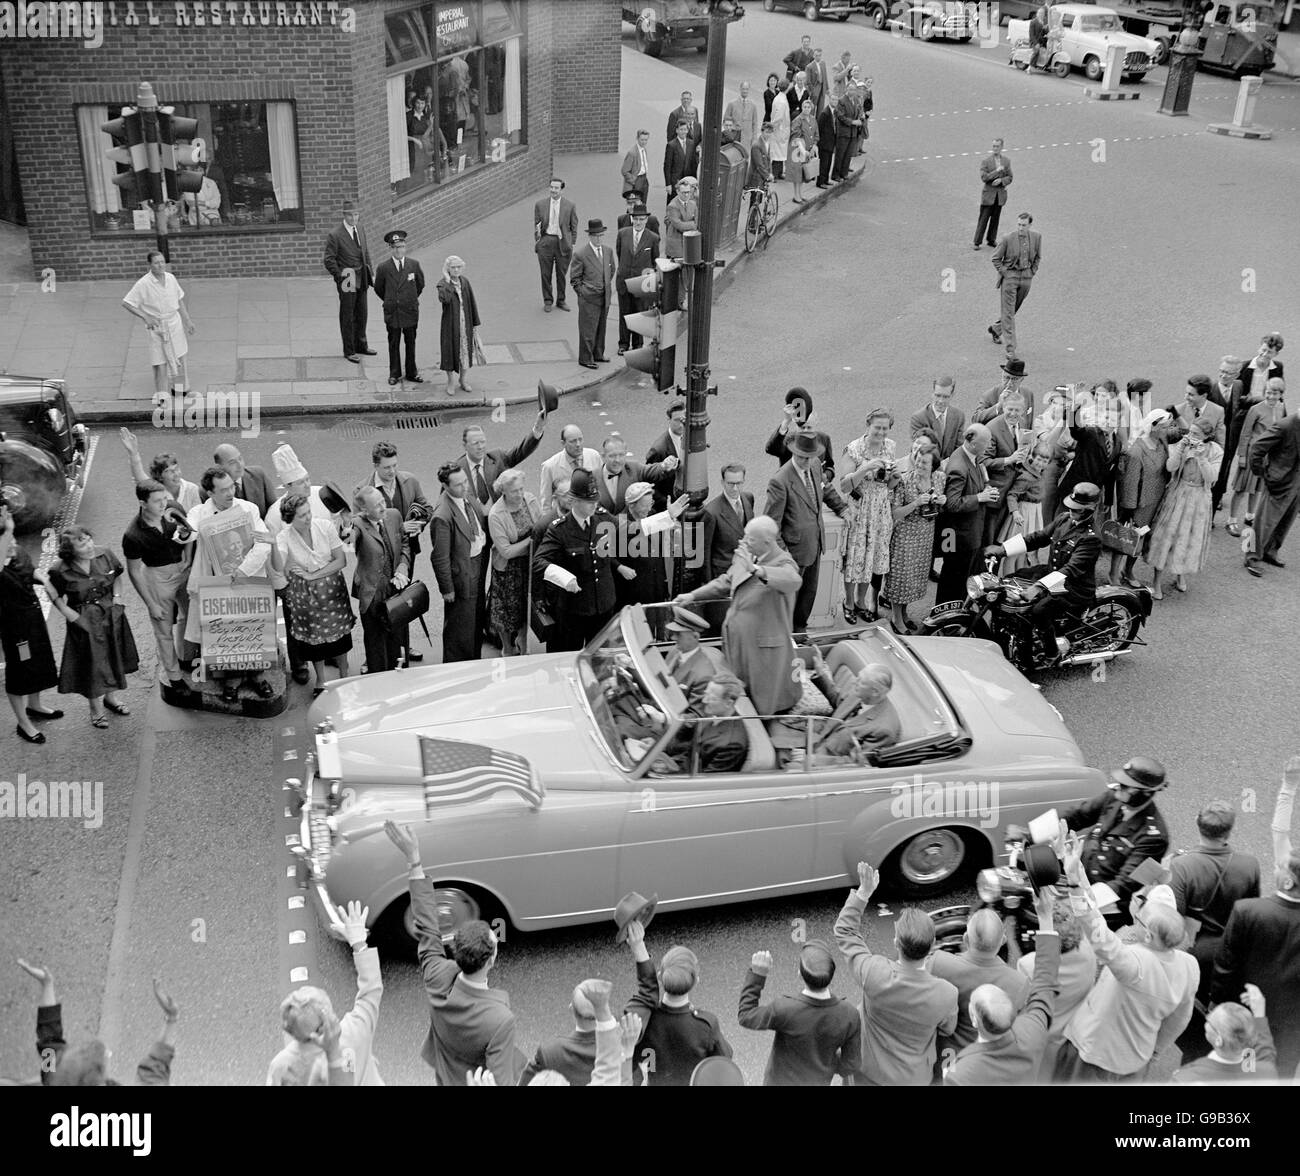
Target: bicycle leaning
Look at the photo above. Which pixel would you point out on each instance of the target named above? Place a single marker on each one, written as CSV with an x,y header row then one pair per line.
x,y
760,218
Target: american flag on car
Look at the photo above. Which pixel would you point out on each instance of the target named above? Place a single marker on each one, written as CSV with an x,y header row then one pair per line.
x,y
456,772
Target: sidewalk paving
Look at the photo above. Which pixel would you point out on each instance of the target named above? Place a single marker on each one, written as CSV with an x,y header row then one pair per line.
x,y
274,342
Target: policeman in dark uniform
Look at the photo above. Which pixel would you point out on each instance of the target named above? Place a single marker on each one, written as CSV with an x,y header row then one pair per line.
x,y
1124,829
399,281
579,555
1070,580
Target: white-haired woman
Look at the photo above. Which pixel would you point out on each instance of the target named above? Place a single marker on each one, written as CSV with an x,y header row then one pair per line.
x,y
510,526
459,339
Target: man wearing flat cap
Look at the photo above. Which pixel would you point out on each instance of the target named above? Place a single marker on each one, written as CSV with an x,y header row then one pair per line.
x,y
591,274
691,664
399,282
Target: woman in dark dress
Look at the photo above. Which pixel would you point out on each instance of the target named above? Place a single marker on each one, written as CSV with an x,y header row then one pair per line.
x,y
459,339
510,525
28,656
99,650
769,95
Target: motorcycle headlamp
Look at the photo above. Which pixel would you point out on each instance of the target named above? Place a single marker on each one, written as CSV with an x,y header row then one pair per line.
x,y
978,585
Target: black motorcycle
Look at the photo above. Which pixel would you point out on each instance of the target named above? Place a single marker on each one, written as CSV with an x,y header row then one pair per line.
x,y
996,608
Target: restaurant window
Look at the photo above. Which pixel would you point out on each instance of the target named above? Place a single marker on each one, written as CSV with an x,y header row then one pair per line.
x,y
455,90
249,162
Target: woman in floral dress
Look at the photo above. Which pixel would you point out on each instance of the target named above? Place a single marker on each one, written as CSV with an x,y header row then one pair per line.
x,y
1180,538
869,466
510,524
914,499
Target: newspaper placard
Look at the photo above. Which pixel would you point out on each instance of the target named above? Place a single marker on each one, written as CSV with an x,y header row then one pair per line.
x,y
226,538
237,627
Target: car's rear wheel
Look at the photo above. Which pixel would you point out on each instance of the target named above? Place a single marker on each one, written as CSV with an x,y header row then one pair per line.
x,y
879,16
647,42
1162,50
458,904
32,484
930,863
928,30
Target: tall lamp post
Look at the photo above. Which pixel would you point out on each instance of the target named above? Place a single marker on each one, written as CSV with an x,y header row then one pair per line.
x,y
698,264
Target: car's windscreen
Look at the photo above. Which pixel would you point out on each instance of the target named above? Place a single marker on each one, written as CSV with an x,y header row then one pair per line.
x,y
630,717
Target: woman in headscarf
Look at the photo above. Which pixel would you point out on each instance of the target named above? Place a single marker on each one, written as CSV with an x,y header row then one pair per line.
x,y
459,339
1140,488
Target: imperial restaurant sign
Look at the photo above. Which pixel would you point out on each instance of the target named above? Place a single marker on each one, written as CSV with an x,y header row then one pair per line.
x,y
87,19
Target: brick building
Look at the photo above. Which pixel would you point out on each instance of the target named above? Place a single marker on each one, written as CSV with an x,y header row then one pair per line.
x,y
429,115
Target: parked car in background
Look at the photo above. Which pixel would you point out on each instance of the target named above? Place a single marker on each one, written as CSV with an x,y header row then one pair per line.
x,y
42,449
665,25
936,20
592,813
839,10
1084,32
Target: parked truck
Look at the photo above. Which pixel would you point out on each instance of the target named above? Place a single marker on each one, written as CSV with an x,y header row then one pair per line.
x,y
664,25
1235,36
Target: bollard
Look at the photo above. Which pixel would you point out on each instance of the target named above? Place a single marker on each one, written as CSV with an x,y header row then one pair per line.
x,y
1110,80
1243,117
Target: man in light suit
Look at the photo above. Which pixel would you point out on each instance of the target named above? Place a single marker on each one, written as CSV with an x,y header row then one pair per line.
x,y
757,640
402,491
681,159
460,556
618,471
1197,404
483,466
819,81
470,1024
995,175
636,249
1003,461
794,499
636,168
1275,456
743,111
399,282
725,520
941,418
555,229
591,273
347,260
967,490
560,467
384,562
1016,259
671,443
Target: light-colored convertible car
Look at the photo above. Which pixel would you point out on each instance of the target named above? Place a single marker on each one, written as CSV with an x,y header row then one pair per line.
x,y
591,813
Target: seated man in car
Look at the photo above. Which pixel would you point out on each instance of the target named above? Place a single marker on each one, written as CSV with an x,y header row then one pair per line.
x,y
872,724
720,738
634,719
691,664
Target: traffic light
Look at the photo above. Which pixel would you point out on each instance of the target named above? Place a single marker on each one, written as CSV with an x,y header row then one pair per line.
x,y
658,326
175,135
128,129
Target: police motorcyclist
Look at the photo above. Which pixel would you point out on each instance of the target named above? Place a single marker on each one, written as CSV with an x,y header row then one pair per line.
x,y
1070,579
1124,829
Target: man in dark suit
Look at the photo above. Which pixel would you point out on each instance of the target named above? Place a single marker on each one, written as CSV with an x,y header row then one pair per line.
x,y
251,482
400,490
470,1024
591,273
995,175
1275,456
794,500
1240,387
635,249
651,221
760,162
460,556
961,525
797,59
725,519
1070,582
670,443
718,742
1261,946
347,259
1263,367
1197,404
399,282
1016,259
383,567
483,466
688,114
941,418
825,146
1081,457
618,472
1003,462
575,556
681,158
636,168
555,229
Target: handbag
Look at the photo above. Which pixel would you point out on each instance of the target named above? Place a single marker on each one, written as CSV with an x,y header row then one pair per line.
x,y
403,607
541,621
798,152
810,170
1122,537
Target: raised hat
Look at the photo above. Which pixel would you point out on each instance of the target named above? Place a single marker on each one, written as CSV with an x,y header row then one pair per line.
x,y
548,397
1141,772
685,621
1014,367
717,1071
633,906
287,466
582,486
805,444
397,236
333,499
596,225
1086,495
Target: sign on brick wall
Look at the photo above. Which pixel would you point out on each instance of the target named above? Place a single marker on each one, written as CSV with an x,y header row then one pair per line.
x,y
228,14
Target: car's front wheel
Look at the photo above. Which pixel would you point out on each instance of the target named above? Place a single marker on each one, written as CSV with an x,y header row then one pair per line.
x,y
930,863
1092,68
879,16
